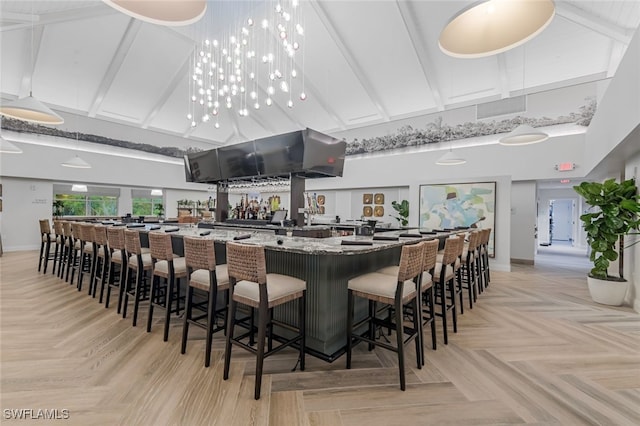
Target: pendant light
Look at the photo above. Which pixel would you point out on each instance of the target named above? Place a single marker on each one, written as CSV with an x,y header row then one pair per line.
x,y
29,108
162,12
450,159
7,147
524,134
490,27
76,162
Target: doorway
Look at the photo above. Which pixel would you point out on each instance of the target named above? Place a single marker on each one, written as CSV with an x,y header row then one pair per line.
x,y
562,221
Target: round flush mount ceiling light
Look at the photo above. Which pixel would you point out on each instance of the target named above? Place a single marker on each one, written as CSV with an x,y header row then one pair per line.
x,y
162,12
493,26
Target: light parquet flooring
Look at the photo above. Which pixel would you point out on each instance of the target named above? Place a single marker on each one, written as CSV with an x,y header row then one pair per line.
x,y
534,350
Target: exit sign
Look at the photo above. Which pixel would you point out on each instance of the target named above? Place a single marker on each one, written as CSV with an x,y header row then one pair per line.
x,y
565,167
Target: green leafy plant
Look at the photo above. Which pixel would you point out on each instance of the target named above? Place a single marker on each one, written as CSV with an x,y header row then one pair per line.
x,y
58,208
403,212
159,210
618,207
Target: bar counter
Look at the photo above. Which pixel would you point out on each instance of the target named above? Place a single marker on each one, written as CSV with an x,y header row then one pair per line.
x,y
326,264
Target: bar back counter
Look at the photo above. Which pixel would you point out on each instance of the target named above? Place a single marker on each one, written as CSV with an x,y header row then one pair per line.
x,y
326,264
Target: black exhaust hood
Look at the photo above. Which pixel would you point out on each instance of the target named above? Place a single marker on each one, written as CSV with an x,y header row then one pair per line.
x,y
303,153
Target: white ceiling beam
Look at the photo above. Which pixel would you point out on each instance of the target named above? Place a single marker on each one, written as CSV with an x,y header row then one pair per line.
x,y
348,56
56,17
420,50
503,78
126,41
21,18
592,22
30,61
180,75
615,56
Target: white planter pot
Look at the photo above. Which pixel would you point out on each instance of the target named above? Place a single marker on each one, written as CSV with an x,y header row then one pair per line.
x,y
607,292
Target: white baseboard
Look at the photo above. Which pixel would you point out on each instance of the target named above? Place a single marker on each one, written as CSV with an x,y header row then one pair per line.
x,y
499,266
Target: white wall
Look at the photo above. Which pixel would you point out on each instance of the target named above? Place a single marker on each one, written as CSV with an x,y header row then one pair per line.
x,y
631,270
24,202
619,112
523,221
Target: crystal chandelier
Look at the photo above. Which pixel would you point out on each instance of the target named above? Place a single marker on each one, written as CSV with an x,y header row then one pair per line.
x,y
251,68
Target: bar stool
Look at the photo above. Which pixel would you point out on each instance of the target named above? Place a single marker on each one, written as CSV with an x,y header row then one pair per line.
x,y
117,260
67,251
101,260
484,258
399,291
45,243
469,264
169,268
77,250
86,252
139,264
445,277
427,287
59,240
203,274
251,285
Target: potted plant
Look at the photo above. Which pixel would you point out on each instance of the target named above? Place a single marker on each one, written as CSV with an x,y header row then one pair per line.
x,y
618,208
403,212
58,209
159,210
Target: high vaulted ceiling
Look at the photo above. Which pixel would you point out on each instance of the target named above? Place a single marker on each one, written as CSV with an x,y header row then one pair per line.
x,y
365,62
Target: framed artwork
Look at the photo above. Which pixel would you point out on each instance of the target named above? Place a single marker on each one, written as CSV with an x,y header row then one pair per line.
x,y
378,211
459,204
367,211
378,199
321,200
367,198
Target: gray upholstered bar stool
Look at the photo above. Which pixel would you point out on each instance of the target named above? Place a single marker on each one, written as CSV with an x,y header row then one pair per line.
x,y
140,264
117,263
167,268
251,285
396,291
203,275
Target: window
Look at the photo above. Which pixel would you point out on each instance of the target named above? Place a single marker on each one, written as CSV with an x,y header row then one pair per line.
x,y
88,205
144,206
